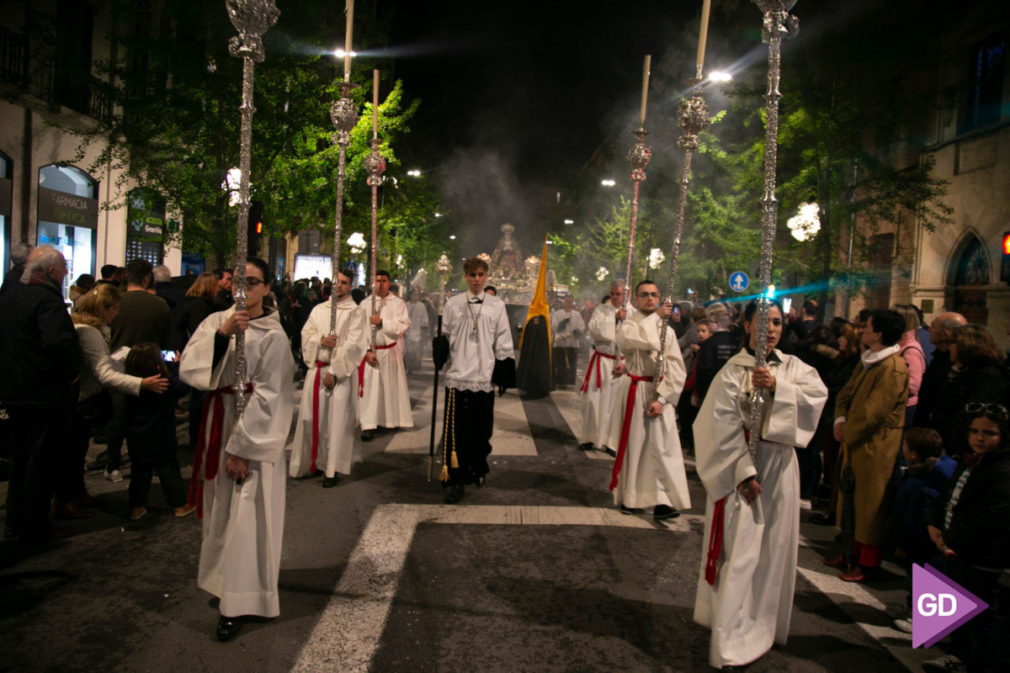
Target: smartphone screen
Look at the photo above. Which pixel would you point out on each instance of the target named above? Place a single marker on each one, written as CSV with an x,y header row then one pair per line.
x,y
168,356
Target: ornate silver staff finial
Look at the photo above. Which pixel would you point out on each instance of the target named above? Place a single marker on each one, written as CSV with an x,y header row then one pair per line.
x,y
251,19
344,115
778,24
638,157
375,165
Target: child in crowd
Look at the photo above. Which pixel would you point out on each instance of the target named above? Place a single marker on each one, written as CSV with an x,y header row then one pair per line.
x,y
928,473
150,435
968,525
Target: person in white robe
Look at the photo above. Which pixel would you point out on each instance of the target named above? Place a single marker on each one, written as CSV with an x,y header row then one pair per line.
x,y
417,335
567,328
324,434
649,468
239,465
476,350
600,386
752,508
382,380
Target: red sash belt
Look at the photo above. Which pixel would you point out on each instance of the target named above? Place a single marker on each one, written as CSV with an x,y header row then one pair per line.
x,y
716,534
208,452
361,369
315,414
594,360
626,427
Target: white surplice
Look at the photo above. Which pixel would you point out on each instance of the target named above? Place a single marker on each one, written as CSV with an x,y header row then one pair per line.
x,y
479,334
335,447
750,605
243,524
653,470
599,400
386,401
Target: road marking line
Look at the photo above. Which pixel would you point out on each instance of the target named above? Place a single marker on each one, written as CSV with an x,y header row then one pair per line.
x,y
348,632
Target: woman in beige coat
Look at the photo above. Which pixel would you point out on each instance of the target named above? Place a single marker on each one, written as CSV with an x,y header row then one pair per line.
x,y
869,420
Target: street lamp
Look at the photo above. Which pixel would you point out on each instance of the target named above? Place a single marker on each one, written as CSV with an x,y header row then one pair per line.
x,y
414,173
720,77
232,183
438,214
608,182
805,224
569,221
340,53
452,237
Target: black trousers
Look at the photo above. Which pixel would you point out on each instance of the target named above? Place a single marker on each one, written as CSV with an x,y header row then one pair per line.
x,y
116,430
467,429
141,473
39,436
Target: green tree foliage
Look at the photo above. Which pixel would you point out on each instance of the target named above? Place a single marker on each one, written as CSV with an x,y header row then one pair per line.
x,y
175,128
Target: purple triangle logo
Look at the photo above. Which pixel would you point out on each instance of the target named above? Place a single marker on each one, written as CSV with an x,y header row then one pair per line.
x,y
939,606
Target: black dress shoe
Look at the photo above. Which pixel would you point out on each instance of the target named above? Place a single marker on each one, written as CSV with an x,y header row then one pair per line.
x,y
663,512
610,452
453,493
228,628
586,446
823,518
630,510
330,482
367,435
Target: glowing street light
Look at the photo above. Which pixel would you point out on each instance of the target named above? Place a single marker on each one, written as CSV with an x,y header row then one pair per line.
x,y
569,221
438,214
720,77
414,173
340,53
608,182
805,224
452,237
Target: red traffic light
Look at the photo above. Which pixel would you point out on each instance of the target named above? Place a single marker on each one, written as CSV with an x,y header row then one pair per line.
x,y
1006,243
259,227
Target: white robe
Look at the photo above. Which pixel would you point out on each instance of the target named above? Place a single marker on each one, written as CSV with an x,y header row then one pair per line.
x,y
600,403
335,449
474,349
386,401
243,524
750,605
653,471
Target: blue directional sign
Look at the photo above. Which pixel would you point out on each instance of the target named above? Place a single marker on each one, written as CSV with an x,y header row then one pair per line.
x,y
738,281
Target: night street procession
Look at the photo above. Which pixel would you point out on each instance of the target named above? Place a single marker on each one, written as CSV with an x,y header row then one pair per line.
x,y
382,336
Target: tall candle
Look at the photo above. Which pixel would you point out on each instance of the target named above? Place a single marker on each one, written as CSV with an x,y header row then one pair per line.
x,y
645,88
703,36
375,103
347,40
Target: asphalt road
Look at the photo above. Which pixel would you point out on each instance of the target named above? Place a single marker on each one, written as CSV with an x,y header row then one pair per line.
x,y
535,572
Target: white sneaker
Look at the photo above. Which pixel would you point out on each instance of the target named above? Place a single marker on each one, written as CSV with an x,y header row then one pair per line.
x,y
115,477
904,624
945,664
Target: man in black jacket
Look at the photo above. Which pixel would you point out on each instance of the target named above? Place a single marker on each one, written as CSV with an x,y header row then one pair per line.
x,y
40,361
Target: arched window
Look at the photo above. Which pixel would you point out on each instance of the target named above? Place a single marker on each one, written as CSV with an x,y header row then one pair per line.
x,y
68,217
970,264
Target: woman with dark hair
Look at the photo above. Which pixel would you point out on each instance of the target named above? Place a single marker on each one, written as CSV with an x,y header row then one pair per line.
x,y
869,420
976,376
745,593
239,468
968,525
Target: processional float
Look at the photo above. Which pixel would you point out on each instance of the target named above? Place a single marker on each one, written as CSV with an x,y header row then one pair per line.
x,y
251,18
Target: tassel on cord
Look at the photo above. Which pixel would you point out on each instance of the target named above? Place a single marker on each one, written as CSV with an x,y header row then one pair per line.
x,y
446,434
455,460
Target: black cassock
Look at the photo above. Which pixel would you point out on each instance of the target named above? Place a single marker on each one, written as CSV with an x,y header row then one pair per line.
x,y
534,369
